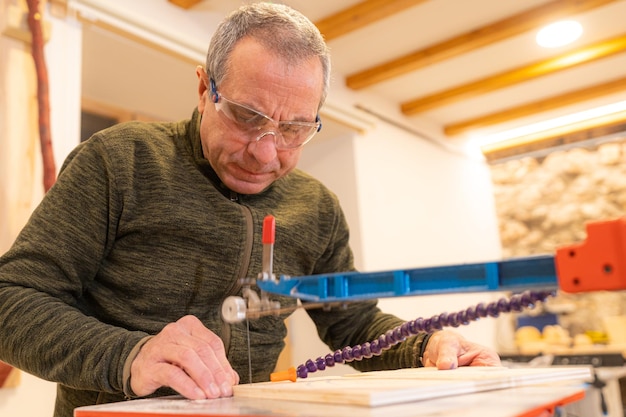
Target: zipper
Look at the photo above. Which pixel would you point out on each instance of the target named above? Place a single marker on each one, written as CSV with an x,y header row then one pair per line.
x,y
225,333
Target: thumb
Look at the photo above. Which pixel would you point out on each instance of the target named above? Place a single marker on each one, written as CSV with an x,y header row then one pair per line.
x,y
442,351
446,361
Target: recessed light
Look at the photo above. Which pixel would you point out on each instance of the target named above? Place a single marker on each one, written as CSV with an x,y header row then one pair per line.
x,y
559,34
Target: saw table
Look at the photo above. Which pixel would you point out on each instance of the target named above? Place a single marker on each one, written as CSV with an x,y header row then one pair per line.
x,y
530,401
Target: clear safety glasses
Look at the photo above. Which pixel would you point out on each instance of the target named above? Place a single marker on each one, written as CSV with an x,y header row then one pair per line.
x,y
256,125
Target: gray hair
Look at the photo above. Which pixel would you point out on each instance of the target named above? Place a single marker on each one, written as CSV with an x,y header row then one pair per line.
x,y
277,27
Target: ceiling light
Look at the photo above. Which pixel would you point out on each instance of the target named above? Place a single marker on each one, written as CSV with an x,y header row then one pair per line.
x,y
559,34
524,132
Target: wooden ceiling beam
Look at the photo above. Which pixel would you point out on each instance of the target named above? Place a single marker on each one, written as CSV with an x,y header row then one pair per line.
x,y
472,40
361,15
539,106
185,4
518,75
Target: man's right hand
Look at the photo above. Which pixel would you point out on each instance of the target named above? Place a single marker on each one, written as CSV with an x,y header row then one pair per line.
x,y
187,357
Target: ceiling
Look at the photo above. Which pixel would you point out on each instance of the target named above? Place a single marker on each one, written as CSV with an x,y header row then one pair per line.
x,y
470,68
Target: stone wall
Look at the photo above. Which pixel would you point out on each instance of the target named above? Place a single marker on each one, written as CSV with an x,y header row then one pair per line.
x,y
544,202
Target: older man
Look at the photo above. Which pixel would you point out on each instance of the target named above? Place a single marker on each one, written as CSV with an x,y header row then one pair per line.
x,y
114,287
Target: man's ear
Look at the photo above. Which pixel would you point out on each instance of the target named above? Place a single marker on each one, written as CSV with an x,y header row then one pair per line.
x,y
203,82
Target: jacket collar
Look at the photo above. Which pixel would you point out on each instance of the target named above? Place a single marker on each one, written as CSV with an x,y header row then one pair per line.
x,y
193,136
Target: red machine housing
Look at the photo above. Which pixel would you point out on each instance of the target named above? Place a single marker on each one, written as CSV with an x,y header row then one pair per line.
x,y
598,263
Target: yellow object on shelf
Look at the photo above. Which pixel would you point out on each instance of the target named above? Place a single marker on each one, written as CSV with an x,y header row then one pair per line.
x,y
598,338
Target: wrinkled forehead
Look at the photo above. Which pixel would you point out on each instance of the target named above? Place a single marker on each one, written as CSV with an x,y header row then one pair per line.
x,y
251,65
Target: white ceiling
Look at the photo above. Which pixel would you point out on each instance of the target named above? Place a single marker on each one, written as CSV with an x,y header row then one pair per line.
x,y
163,86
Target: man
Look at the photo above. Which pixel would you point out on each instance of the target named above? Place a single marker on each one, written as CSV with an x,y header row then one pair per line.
x,y
114,287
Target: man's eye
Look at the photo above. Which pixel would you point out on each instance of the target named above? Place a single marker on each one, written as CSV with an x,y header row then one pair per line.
x,y
248,117
293,129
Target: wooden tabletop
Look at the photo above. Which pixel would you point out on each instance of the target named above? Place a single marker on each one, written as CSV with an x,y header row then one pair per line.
x,y
516,395
514,402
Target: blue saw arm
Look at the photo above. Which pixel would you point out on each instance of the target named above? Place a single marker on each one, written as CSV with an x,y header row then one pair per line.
x,y
598,263
537,272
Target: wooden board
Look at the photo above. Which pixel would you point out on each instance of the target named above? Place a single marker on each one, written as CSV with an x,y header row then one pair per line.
x,y
373,389
531,401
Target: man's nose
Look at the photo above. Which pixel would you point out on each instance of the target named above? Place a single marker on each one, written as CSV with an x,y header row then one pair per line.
x,y
264,147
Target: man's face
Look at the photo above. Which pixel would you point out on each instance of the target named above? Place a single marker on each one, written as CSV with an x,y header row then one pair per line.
x,y
260,81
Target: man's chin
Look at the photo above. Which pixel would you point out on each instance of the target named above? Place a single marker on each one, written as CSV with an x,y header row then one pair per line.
x,y
243,187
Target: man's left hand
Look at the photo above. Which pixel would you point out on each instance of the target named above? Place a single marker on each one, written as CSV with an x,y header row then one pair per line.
x,y
448,350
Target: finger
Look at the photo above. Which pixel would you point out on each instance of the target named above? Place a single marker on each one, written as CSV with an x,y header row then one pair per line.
x,y
442,362
479,357
201,354
213,354
188,356
147,376
176,378
208,348
200,366
235,377
441,351
446,358
197,330
158,365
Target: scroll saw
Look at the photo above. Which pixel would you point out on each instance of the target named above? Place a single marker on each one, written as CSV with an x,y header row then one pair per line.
x,y
598,263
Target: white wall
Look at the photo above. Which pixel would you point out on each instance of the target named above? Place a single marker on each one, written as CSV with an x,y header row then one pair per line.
x,y
332,161
417,204
425,205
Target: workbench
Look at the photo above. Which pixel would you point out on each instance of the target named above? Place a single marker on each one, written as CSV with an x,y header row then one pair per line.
x,y
515,402
467,392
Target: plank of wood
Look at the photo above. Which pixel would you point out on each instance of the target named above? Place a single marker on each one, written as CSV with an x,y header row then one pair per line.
x,y
531,401
373,389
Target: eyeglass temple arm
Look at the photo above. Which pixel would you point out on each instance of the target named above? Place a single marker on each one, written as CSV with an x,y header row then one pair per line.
x,y
214,94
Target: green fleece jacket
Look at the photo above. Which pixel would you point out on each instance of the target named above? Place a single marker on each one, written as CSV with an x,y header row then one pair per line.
x,y
137,232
